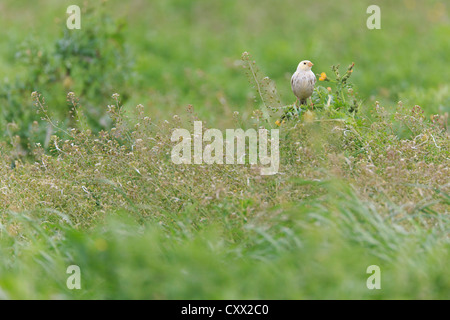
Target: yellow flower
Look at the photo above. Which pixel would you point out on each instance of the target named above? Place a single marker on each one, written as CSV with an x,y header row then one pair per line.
x,y
323,76
278,122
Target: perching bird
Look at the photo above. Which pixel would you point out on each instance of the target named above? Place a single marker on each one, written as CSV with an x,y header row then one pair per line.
x,y
302,81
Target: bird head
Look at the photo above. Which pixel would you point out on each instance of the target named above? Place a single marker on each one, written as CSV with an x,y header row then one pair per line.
x,y
305,65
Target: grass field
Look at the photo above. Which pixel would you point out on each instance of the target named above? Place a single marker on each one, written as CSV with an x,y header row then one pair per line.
x,y
86,175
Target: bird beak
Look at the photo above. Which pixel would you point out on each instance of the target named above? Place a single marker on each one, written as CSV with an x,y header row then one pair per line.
x,y
310,64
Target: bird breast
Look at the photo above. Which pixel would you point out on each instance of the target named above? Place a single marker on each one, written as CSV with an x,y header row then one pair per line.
x,y
302,84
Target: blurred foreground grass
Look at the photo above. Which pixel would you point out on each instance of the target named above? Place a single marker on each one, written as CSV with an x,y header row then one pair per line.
x,y
307,253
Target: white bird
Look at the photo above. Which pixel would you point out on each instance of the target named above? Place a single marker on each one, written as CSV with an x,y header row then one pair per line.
x,y
303,81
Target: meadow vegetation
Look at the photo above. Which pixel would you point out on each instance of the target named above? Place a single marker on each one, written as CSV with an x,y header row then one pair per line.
x,y
86,176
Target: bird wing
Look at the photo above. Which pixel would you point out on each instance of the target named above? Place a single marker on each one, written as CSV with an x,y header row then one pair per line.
x,y
292,81
314,80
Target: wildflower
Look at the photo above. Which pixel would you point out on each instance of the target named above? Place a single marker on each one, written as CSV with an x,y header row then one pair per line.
x,y
348,73
278,123
323,76
329,89
140,109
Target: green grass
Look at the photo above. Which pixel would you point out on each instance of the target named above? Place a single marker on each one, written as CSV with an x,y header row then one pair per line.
x,y
309,252
88,181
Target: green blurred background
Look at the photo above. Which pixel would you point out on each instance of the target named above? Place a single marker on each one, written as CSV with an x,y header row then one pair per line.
x,y
168,54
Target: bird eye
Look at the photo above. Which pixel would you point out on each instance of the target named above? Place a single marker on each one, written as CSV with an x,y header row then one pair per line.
x,y
304,62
